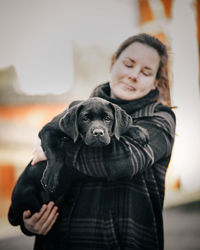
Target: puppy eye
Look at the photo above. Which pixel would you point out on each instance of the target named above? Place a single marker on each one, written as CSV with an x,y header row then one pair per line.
x,y
107,118
85,118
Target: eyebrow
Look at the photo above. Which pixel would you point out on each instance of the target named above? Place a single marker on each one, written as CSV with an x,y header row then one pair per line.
x,y
146,67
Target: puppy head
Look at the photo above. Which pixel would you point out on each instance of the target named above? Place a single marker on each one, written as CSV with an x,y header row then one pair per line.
x,y
95,120
91,119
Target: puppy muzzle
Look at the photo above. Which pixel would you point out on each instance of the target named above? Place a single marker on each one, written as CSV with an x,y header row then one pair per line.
x,y
97,137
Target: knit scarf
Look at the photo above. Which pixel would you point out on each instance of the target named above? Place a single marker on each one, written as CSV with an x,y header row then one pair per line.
x,y
130,107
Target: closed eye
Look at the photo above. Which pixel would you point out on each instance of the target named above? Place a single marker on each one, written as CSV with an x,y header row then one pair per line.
x,y
128,63
146,73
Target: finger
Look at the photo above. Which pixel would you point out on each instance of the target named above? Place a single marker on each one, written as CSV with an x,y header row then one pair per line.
x,y
37,216
42,211
34,223
48,228
52,223
36,158
46,213
34,161
49,220
45,224
26,214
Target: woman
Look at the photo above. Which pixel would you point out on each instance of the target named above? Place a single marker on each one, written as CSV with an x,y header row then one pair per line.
x,y
124,209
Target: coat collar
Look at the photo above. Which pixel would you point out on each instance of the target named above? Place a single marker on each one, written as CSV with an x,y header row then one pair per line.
x,y
130,107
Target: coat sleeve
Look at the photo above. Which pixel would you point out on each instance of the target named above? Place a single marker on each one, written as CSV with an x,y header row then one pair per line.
x,y
125,158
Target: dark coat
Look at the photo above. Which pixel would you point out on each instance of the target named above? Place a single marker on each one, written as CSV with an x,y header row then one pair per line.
x,y
123,209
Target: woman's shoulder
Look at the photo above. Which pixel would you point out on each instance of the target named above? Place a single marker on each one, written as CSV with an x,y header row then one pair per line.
x,y
158,115
164,110
155,109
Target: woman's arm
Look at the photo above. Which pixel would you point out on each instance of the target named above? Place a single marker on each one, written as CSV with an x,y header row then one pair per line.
x,y
125,158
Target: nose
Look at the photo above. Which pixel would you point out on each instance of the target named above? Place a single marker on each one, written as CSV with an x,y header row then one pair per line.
x,y
98,132
133,75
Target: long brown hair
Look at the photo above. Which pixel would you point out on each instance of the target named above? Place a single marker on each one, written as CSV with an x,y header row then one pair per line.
x,y
163,71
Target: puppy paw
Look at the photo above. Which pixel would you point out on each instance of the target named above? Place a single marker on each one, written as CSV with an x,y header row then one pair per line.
x,y
140,135
49,180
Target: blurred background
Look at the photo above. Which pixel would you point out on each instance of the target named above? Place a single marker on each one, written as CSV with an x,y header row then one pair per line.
x,y
53,52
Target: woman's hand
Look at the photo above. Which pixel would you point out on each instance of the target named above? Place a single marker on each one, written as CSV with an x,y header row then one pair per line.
x,y
38,153
41,222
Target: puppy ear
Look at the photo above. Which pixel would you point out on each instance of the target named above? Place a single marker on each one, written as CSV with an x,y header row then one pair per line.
x,y
122,121
69,122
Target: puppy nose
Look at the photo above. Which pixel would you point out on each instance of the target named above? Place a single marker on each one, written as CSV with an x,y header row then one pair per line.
x,y
98,132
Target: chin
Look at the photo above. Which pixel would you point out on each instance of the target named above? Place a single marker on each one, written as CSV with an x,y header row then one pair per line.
x,y
122,93
126,96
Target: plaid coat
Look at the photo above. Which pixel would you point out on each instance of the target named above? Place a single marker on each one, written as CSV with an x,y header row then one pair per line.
x,y
120,205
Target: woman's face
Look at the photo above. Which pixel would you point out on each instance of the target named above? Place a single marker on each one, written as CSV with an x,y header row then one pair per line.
x,y
133,74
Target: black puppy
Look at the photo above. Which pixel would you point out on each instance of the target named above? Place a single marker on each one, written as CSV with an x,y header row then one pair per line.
x,y
96,121
93,121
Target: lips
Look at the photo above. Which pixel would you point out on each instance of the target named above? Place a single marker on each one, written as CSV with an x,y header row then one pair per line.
x,y
128,86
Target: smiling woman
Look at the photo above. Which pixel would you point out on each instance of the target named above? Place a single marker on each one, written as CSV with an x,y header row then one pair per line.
x,y
134,72
120,204
141,67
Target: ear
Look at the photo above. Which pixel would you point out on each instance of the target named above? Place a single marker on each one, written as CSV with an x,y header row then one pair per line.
x,y
112,63
122,121
69,122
